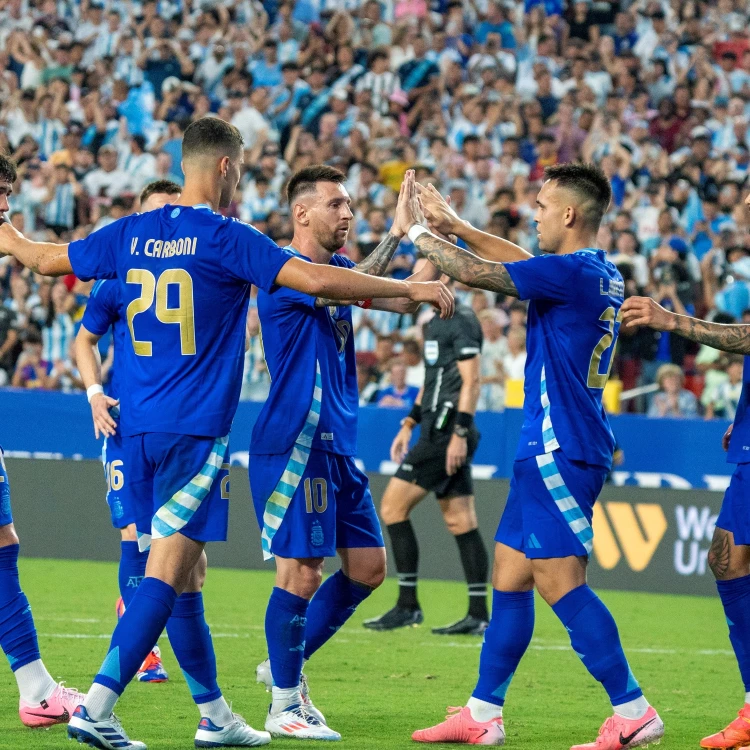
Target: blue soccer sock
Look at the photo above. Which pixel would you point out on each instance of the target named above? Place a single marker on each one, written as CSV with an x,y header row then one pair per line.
x,y
594,637
135,635
333,604
286,618
132,570
505,642
17,632
191,642
735,598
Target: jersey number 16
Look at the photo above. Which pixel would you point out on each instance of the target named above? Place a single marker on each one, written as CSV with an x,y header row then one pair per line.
x,y
183,315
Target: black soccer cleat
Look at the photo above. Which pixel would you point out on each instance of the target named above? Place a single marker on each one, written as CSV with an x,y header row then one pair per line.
x,y
398,617
468,626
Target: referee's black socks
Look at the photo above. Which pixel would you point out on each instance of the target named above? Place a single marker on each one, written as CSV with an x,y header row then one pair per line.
x,y
406,556
475,563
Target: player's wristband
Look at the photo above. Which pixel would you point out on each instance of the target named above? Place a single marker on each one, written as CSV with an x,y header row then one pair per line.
x,y
92,390
416,231
416,413
365,304
464,422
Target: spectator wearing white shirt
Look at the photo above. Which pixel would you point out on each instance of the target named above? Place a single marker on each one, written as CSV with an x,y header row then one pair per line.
x,y
107,181
412,356
378,80
139,164
494,351
514,362
627,252
247,117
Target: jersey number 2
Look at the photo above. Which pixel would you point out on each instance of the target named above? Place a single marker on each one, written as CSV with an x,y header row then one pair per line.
x,y
598,379
183,315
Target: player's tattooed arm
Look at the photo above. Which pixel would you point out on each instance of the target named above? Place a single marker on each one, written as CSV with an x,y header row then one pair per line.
x,y
644,311
375,264
464,266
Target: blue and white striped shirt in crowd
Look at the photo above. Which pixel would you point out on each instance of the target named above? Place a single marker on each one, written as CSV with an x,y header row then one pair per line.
x,y
60,211
56,338
383,322
48,134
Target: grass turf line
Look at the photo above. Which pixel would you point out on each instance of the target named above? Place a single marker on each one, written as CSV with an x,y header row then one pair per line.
x,y
376,688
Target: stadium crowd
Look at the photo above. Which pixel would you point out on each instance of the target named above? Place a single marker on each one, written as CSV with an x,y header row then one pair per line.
x,y
479,97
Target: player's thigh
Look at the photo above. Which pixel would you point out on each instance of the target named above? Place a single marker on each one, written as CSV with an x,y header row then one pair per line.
x,y
357,524
295,503
459,513
299,576
729,555
190,486
366,565
511,570
172,560
8,534
399,500
556,577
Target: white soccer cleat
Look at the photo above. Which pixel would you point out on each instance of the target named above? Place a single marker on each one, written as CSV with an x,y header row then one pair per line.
x,y
238,733
263,674
105,735
297,722
264,677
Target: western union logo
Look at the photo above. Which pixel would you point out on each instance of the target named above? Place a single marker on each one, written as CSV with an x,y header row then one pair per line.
x,y
630,530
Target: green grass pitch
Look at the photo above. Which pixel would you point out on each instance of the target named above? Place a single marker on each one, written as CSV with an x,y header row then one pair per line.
x,y
375,688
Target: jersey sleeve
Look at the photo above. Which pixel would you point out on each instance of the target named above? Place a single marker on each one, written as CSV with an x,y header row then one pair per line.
x,y
250,256
467,339
544,277
103,308
96,256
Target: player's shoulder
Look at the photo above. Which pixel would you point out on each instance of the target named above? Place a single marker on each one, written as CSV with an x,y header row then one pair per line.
x,y
337,259
105,290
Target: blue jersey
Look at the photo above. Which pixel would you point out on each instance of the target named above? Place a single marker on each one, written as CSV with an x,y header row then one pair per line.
x,y
573,323
739,443
310,355
104,310
184,275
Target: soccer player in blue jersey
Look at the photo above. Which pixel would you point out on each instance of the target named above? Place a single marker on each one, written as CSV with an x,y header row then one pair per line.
x,y
729,555
104,312
43,702
544,538
185,273
310,498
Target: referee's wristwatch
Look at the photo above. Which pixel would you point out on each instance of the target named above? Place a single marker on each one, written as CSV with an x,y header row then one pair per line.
x,y
462,432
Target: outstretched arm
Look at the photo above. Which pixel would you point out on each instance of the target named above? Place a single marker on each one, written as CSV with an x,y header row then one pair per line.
x,y
344,284
444,219
464,266
644,311
46,258
89,365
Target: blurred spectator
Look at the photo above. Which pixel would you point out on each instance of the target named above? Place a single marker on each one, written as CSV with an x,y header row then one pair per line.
x,y
672,400
494,351
724,397
398,395
412,356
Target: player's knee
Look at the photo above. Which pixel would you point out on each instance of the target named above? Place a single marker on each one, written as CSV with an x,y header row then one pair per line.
x,y
391,511
128,534
8,535
198,574
302,580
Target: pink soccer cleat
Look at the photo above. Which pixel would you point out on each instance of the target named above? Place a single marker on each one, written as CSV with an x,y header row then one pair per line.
x,y
57,709
619,733
737,734
459,726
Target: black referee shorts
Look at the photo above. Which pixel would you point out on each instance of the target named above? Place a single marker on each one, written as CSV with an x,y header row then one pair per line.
x,y
424,464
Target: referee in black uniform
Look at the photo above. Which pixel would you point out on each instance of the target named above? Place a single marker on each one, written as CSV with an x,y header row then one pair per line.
x,y
439,463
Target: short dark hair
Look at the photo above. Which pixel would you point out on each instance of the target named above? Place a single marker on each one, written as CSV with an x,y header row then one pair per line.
x,y
589,184
211,135
305,180
8,171
160,186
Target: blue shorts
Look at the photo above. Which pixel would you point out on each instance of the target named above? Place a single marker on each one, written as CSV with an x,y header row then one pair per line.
x,y
550,506
178,484
116,476
311,504
6,516
734,515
